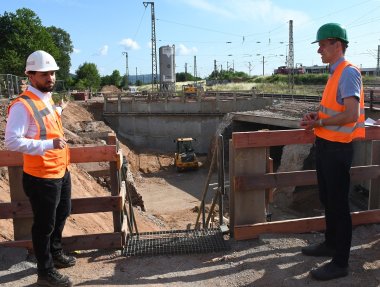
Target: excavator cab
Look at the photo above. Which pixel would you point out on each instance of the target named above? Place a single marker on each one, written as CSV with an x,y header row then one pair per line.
x,y
185,157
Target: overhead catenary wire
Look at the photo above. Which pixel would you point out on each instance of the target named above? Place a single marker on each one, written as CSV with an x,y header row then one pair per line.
x,y
138,27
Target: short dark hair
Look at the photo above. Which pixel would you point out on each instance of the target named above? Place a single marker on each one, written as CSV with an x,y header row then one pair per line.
x,y
344,44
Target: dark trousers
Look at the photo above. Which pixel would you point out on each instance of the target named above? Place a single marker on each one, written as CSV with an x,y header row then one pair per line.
x,y
51,204
333,163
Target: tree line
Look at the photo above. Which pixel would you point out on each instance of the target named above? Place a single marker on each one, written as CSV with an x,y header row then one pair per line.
x,y
22,33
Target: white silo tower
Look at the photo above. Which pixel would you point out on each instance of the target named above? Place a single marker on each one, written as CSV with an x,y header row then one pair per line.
x,y
167,68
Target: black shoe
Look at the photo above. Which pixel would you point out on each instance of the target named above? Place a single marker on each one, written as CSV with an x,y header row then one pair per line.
x,y
54,278
329,271
320,249
63,261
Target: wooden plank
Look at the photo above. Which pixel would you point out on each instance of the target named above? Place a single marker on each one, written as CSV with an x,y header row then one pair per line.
x,y
372,133
96,204
284,137
93,154
15,209
251,231
296,178
22,209
10,158
231,169
302,225
374,194
78,242
77,155
271,138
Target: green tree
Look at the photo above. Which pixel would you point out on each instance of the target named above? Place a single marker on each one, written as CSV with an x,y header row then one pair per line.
x,y
229,75
183,77
22,33
65,47
105,80
88,76
115,78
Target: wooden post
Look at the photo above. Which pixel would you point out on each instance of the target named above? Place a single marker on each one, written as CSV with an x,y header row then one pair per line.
x,y
374,194
371,100
115,186
268,191
22,227
231,195
105,103
119,103
249,206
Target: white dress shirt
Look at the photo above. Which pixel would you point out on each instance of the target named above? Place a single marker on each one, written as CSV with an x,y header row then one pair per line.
x,y
21,128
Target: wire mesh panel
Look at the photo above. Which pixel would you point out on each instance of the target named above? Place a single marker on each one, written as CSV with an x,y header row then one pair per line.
x,y
175,242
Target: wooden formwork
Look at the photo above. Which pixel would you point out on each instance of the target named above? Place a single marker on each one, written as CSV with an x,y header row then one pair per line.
x,y
249,181
20,211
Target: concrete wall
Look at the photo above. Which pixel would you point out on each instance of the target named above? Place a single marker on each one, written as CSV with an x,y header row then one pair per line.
x,y
158,132
155,125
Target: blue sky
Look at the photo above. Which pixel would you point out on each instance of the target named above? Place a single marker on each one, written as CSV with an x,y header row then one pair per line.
x,y
236,33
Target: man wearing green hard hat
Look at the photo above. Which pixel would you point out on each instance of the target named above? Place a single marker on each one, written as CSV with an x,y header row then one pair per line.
x,y
339,121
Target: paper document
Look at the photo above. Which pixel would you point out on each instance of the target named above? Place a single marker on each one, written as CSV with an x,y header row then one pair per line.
x,y
370,122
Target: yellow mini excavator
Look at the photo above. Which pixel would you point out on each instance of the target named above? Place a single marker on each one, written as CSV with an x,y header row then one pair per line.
x,y
185,157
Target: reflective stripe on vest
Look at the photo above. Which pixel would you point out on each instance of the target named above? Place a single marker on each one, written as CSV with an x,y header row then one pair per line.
x,y
37,115
329,107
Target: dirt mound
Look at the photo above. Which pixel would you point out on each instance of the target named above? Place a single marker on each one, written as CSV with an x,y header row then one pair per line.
x,y
110,89
79,125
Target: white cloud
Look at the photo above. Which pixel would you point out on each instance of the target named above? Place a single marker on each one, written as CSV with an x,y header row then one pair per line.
x,y
76,51
129,44
103,50
183,50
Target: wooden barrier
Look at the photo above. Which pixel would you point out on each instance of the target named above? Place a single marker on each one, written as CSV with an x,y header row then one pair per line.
x,y
19,208
249,180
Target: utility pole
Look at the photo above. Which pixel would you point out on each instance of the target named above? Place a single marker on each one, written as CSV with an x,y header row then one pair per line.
x,y
291,57
136,77
195,69
185,71
249,68
378,61
154,50
126,69
215,69
263,64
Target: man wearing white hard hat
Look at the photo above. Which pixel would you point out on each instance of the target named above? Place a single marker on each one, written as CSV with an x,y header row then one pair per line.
x,y
34,128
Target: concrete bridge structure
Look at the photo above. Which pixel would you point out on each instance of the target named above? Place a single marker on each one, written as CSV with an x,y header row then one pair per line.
x,y
155,123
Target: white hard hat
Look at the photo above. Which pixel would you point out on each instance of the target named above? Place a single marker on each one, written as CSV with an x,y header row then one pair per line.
x,y
40,61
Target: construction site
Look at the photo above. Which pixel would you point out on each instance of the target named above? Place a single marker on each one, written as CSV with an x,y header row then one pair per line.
x,y
237,239
193,183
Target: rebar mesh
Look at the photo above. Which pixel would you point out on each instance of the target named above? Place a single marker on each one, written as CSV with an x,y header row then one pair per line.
x,y
175,242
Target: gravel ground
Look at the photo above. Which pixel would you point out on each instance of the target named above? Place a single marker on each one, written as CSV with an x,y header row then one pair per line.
x,y
271,260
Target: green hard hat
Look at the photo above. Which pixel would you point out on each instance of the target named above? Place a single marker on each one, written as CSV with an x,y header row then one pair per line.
x,y
331,30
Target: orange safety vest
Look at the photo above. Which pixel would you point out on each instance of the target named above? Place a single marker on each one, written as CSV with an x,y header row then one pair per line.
x,y
330,107
53,163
